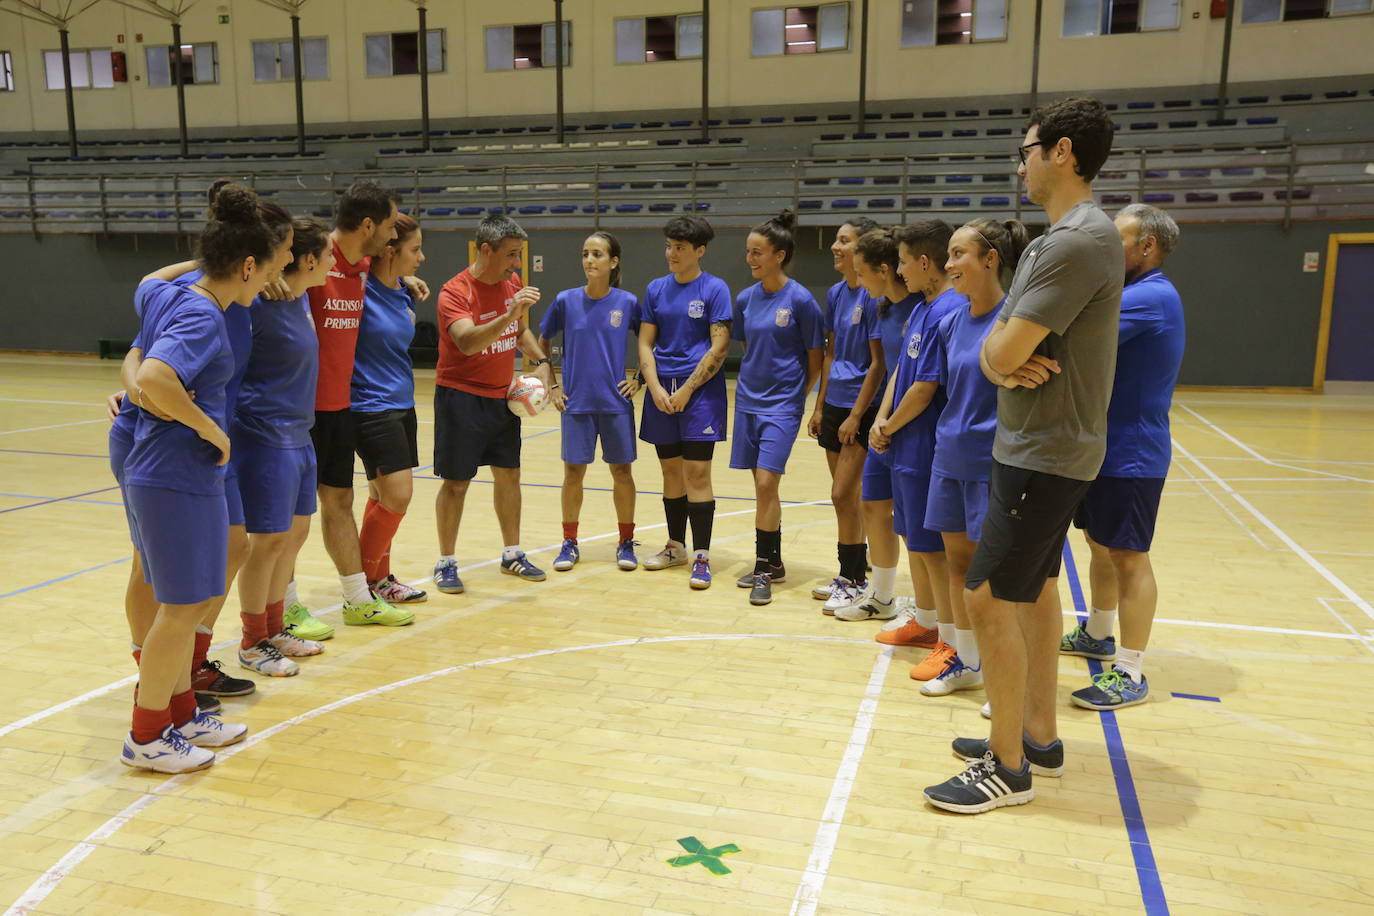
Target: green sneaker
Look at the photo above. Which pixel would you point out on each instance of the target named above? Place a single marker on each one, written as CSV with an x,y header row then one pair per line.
x,y
376,611
301,623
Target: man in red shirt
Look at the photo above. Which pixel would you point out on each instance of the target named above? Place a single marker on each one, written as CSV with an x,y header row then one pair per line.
x,y
482,319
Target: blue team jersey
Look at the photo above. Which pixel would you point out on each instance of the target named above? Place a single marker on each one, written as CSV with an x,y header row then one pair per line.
x,y
277,398
913,446
963,437
595,332
683,314
187,333
1149,353
852,316
383,377
777,329
892,332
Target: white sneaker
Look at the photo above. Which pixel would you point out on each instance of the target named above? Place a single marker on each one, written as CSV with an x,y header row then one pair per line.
x,y
293,646
206,730
265,658
956,676
905,615
843,593
167,753
671,555
822,592
986,711
869,608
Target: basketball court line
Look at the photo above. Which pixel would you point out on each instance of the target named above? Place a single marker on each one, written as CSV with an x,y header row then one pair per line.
x,y
40,401
59,499
35,429
1240,523
1258,457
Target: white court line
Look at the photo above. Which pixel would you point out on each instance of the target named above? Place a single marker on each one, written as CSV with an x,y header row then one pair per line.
x,y
67,704
1213,497
48,882
1269,461
1327,603
808,896
35,401
1245,627
34,429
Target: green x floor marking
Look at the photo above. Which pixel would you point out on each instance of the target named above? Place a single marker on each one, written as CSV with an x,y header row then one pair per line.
x,y
710,858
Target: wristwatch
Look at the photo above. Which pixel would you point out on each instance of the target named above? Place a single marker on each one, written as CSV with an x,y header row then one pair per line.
x,y
543,360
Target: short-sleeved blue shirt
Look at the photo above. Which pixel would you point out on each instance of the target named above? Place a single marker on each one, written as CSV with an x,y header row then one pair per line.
x,y
852,316
963,437
913,446
892,332
383,377
683,314
595,333
277,398
777,329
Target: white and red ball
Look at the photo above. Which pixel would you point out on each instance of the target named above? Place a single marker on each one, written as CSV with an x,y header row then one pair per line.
x,y
527,396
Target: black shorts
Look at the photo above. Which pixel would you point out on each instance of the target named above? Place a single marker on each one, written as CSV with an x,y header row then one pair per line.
x,y
688,449
1120,512
832,417
471,431
1023,534
386,441
334,439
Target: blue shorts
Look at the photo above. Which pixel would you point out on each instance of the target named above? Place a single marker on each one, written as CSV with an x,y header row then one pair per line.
x,y
702,421
185,542
277,484
877,478
763,441
957,506
910,491
119,453
1120,512
233,499
615,430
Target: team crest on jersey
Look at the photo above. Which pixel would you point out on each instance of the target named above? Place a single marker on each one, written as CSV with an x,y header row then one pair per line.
x,y
782,317
617,316
857,315
913,345
696,308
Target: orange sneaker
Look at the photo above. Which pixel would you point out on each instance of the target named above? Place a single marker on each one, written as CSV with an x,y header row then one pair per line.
x,y
934,662
910,633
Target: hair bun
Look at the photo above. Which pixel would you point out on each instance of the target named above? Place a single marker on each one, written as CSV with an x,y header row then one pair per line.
x,y
787,219
234,203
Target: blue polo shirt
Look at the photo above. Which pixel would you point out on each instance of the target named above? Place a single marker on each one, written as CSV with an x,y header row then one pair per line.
x,y
277,398
777,329
683,314
852,316
383,377
964,434
594,332
913,446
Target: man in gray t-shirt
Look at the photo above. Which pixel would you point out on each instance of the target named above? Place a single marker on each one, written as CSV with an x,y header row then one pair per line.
x,y
1053,354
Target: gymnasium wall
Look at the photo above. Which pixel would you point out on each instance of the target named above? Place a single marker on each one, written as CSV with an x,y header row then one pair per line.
x,y
1187,56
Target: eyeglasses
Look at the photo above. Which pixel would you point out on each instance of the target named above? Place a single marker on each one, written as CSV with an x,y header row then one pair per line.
x,y
1021,150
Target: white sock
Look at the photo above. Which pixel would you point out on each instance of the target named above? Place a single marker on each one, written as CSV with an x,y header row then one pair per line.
x,y
947,633
967,646
1130,661
202,628
702,554
926,617
291,598
1101,624
355,589
448,557
883,580
511,552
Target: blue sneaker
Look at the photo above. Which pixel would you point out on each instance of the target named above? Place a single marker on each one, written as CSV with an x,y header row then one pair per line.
x,y
625,554
567,557
701,573
521,567
1112,689
1080,643
446,577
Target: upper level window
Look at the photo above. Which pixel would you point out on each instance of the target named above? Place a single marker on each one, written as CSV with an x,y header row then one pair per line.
x,y
952,22
197,63
6,72
92,68
1117,17
658,38
1293,10
527,47
801,29
398,53
275,60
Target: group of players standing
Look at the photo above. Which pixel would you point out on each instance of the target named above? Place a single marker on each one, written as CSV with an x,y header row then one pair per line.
x,y
970,421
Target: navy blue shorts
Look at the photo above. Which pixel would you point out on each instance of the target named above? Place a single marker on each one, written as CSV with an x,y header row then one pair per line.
x,y
763,441
233,498
876,484
471,431
615,430
703,420
1120,512
910,493
957,506
277,485
185,542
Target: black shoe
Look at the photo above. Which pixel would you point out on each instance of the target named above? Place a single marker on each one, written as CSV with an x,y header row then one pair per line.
x,y
777,573
210,678
985,785
762,591
1044,761
207,703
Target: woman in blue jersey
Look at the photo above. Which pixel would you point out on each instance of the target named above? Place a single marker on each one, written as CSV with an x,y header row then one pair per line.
x,y
174,474
274,455
383,407
596,321
851,387
782,330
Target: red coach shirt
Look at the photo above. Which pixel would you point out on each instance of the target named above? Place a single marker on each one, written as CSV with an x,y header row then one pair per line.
x,y
487,374
337,308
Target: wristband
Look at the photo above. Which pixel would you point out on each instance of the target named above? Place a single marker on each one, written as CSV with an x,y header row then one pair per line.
x,y
542,361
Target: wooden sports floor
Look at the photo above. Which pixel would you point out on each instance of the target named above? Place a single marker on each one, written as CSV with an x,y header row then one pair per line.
x,y
547,748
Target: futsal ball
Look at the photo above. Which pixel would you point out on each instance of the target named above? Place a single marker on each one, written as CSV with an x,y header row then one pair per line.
x,y
526,397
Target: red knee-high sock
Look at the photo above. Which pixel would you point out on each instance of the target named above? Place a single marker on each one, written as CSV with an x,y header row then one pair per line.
x,y
149,723
379,527
627,530
254,629
274,613
183,708
204,636
137,653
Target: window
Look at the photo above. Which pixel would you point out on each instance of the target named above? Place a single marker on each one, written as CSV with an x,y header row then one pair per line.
x,y
91,69
527,47
1118,17
197,63
398,53
6,72
801,29
276,60
952,22
657,38
1294,10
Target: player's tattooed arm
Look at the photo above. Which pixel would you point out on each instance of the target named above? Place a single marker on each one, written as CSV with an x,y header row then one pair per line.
x,y
714,358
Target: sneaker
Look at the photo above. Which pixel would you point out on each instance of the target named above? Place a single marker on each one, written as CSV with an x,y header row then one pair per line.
x,y
985,785
985,711
521,567
295,647
624,554
1112,689
169,752
567,557
701,573
446,577
210,678
1044,761
206,730
956,676
298,621
264,658
903,630
776,573
1080,643
394,592
870,608
762,592
208,703
377,612
670,555
934,663
822,592
843,593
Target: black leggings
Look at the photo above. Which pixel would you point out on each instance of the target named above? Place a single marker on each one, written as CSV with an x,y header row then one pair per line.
x,y
691,450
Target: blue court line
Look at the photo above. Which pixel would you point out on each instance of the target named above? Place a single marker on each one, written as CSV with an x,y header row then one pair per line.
x,y
559,486
59,499
29,588
25,451
93,502
1147,873
1195,696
